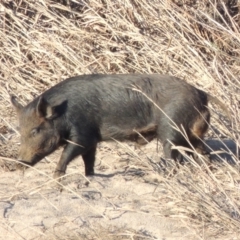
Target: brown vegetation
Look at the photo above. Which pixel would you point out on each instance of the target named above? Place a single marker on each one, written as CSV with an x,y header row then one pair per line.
x,y
44,42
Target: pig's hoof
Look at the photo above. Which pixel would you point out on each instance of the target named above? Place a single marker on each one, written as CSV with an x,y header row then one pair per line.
x,y
58,175
89,172
56,186
20,166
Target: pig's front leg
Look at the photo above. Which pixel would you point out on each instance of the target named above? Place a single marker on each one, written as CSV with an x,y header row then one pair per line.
x,y
69,153
73,150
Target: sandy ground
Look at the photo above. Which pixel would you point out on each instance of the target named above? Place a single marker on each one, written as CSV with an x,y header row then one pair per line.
x,y
123,199
126,199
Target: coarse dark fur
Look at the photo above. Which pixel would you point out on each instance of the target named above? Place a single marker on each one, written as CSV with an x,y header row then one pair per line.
x,y
84,110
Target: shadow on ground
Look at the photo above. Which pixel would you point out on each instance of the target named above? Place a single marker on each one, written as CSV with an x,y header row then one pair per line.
x,y
221,150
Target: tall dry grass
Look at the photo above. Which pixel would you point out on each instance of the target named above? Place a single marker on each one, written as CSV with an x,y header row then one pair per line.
x,y
44,42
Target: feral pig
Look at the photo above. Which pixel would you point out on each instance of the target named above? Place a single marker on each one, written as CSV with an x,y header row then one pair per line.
x,y
84,110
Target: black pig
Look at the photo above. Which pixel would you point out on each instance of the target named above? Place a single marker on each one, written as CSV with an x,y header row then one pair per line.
x,y
84,110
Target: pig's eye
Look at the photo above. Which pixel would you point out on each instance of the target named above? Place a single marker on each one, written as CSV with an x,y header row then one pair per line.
x,y
35,131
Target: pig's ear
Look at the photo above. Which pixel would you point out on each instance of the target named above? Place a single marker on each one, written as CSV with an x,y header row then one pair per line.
x,y
44,109
16,104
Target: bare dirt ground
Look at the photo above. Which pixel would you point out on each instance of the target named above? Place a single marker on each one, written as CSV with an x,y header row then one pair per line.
x,y
122,201
134,194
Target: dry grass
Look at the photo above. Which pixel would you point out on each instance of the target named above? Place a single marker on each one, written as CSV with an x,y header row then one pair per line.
x,y
44,42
